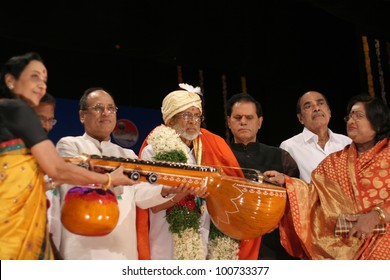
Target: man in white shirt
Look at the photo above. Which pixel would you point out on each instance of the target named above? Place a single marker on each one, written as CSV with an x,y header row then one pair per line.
x,y
316,141
98,115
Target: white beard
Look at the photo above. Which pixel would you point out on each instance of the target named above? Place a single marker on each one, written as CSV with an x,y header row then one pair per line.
x,y
184,134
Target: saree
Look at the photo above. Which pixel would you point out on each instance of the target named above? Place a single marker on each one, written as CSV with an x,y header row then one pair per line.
x,y
343,183
23,221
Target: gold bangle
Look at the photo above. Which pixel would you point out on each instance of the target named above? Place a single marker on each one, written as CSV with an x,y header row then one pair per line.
x,y
381,214
105,187
49,182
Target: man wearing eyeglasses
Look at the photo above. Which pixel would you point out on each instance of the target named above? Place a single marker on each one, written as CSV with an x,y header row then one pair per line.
x,y
182,110
98,116
45,111
316,141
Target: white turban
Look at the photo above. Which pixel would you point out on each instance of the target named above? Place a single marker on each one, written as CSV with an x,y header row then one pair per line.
x,y
180,100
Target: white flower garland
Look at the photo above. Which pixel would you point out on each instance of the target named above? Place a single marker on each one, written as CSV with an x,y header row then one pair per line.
x,y
165,139
188,243
223,248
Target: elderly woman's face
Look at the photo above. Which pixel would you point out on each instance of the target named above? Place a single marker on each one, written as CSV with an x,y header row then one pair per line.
x,y
187,123
359,128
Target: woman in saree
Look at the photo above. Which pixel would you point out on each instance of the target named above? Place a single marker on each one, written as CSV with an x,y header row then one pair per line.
x,y
26,154
344,213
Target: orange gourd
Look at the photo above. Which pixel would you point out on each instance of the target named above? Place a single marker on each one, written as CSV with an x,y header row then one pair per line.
x,y
90,211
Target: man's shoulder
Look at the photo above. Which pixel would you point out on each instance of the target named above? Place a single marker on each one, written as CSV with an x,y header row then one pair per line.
x,y
119,147
208,134
263,146
293,139
337,137
69,139
341,136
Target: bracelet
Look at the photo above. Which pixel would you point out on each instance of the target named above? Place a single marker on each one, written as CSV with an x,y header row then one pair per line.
x,y
381,214
49,182
105,187
52,184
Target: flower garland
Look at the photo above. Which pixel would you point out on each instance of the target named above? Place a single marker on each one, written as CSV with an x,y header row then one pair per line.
x,y
167,145
183,217
221,246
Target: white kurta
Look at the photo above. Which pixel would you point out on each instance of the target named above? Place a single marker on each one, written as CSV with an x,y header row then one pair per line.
x,y
160,238
306,152
121,243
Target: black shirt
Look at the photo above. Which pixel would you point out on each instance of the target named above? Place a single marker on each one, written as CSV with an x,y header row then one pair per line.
x,y
263,157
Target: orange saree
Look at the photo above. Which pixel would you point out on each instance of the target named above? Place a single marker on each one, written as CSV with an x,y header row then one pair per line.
x,y
341,184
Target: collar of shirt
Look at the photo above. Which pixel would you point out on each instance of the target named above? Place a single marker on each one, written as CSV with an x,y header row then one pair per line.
x,y
310,136
95,141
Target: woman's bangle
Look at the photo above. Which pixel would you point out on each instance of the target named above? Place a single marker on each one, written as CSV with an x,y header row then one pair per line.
x,y
105,187
49,182
381,214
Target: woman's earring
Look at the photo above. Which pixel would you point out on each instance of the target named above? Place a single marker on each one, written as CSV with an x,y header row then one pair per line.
x,y
10,86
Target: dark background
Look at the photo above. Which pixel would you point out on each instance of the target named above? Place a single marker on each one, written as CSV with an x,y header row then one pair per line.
x,y
134,48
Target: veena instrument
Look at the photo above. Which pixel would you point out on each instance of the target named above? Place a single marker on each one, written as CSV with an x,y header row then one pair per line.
x,y
242,208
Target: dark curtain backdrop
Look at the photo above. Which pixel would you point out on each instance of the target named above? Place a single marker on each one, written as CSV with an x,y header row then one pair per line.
x,y
282,48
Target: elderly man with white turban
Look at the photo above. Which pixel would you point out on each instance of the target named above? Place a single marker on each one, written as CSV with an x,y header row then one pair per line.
x,y
182,111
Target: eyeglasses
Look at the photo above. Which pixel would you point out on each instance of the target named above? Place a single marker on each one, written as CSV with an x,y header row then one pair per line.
x,y
50,121
100,108
190,117
355,117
